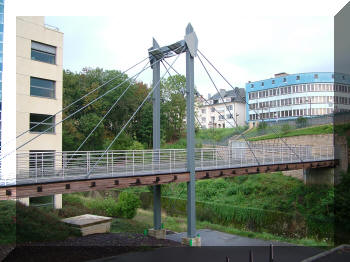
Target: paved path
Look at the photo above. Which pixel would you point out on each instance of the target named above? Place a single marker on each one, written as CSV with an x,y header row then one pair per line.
x,y
216,246
216,238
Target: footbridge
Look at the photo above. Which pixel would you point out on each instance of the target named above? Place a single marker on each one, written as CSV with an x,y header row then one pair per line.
x,y
45,173
48,173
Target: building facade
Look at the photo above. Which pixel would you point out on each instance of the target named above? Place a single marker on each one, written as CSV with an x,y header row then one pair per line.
x,y
1,59
212,112
39,75
289,96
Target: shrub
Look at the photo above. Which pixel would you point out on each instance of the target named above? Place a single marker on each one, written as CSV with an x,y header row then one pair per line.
x,y
301,122
19,223
285,128
127,205
262,125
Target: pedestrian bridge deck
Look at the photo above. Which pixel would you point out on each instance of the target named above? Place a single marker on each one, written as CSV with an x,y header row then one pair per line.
x,y
45,173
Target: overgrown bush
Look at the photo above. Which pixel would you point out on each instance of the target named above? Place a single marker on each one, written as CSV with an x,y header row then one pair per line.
x,y
128,204
285,129
125,207
301,122
20,224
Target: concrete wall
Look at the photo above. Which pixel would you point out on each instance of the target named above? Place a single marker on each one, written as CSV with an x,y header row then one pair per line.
x,y
319,175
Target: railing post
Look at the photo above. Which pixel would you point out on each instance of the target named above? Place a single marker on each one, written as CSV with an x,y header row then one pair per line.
x,y
126,161
133,162
112,162
42,164
88,162
201,158
229,156
170,159
143,160
63,163
107,161
36,167
241,156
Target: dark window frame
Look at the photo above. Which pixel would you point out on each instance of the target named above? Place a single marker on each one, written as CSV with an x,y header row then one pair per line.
x,y
39,52
36,126
42,87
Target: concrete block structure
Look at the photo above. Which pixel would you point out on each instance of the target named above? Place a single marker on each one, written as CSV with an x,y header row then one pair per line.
x,y
39,76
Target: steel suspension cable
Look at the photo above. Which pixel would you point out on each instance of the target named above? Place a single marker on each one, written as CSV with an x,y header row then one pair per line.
x,y
133,115
74,102
244,99
245,139
105,115
91,102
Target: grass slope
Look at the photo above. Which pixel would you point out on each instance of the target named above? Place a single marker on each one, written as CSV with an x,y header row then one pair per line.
x,y
19,224
315,130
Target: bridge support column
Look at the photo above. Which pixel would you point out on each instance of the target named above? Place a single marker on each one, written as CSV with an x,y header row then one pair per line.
x,y
57,201
157,219
24,201
319,176
191,42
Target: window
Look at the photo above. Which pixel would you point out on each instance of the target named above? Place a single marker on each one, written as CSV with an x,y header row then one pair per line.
x,y
42,123
203,111
262,83
221,117
229,116
284,79
212,109
41,159
273,81
203,119
252,86
229,107
316,76
42,87
44,53
298,77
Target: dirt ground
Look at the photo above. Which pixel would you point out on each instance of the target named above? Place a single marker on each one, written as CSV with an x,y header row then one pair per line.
x,y
83,248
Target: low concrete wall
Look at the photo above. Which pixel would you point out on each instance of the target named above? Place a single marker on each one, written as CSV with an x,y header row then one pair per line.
x,y
319,175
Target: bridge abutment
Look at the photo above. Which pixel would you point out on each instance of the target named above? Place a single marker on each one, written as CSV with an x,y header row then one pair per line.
x,y
330,175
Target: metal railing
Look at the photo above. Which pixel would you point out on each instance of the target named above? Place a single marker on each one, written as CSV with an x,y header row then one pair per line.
x,y
34,167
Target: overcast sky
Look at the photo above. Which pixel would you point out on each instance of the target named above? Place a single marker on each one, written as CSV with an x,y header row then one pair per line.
x,y
246,42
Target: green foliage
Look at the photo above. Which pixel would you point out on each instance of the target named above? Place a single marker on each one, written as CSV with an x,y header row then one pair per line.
x,y
301,122
173,107
128,204
285,129
219,134
342,200
264,202
20,224
262,126
124,207
315,130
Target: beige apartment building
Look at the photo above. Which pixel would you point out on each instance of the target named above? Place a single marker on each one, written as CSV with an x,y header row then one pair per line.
x,y
228,112
39,75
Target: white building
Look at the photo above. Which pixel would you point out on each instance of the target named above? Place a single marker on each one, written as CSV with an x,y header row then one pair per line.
x,y
211,112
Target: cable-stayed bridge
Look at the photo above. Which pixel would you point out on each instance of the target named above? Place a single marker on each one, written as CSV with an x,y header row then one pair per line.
x,y
45,173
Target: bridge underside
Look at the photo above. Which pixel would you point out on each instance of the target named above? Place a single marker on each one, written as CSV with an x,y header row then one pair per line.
x,y
64,187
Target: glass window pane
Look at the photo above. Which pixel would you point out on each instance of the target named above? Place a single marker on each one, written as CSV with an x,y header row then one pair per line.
x,y
44,48
43,57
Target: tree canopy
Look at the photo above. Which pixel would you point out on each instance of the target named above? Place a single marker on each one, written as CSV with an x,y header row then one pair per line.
x,y
138,134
